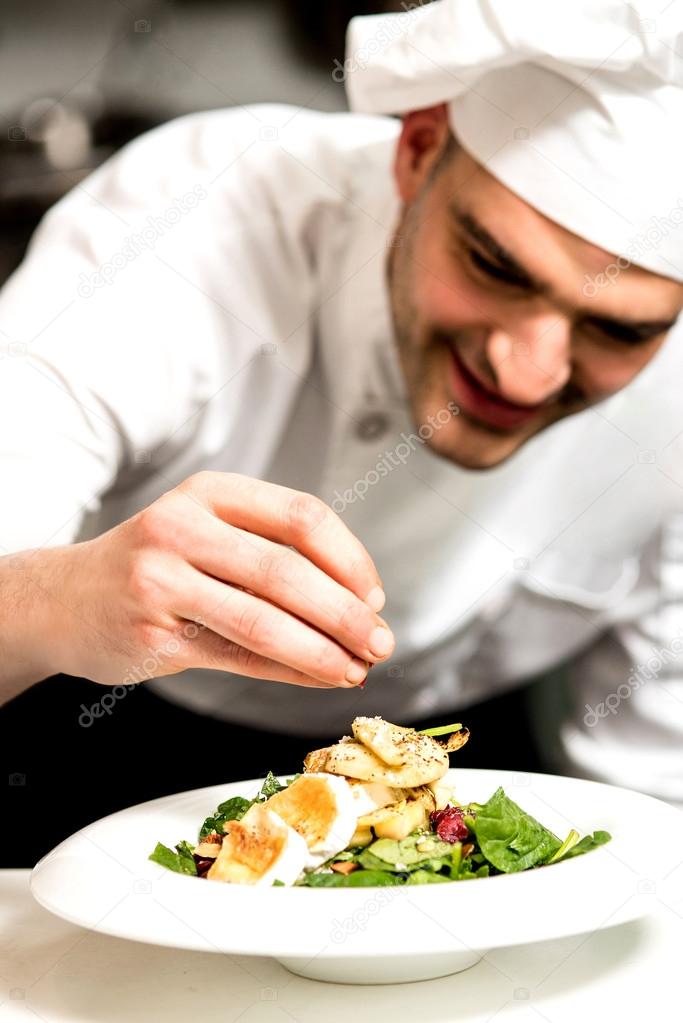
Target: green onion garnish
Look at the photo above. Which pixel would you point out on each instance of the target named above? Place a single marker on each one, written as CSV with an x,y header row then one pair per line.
x,y
441,730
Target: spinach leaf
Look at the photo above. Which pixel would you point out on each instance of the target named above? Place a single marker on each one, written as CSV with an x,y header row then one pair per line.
x,y
210,825
462,868
185,849
181,861
568,844
231,810
369,861
456,864
467,875
578,848
404,856
426,877
270,786
235,808
346,854
358,879
416,849
510,838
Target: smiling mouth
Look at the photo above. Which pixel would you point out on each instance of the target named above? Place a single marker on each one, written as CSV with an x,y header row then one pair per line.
x,y
483,405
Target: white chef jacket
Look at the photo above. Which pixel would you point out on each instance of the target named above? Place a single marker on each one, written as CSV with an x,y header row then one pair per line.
x,y
213,297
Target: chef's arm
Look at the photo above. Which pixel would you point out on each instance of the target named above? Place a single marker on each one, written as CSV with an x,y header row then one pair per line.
x,y
27,619
223,572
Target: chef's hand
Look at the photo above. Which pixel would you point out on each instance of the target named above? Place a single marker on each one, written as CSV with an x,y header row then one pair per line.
x,y
223,572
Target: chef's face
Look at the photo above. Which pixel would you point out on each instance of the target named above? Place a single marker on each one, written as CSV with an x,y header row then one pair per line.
x,y
501,312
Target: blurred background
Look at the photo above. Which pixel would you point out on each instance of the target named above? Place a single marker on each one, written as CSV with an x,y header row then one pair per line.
x,y
80,78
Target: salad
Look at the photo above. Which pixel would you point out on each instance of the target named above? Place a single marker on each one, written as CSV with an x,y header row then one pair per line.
x,y
373,809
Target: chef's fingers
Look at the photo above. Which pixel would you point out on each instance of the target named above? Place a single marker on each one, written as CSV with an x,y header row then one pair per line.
x,y
294,518
286,578
264,629
209,650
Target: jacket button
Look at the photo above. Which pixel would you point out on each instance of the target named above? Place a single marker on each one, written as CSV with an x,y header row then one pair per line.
x,y
372,425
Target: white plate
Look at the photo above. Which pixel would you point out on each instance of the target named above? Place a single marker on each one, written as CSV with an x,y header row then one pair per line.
x,y
101,878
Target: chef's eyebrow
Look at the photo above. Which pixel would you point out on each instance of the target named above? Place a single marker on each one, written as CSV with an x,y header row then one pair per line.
x,y
493,248
626,329
629,330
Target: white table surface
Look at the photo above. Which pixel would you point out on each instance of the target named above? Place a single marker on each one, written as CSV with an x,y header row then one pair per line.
x,y
53,971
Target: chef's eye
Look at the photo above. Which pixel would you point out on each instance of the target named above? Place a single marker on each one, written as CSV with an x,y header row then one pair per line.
x,y
615,331
496,271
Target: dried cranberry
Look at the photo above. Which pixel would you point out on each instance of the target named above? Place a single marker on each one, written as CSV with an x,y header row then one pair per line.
x,y
203,866
449,824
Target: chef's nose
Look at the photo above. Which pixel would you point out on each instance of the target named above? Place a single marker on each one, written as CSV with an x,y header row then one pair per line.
x,y
533,363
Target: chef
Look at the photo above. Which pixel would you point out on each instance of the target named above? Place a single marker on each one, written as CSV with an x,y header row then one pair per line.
x,y
294,400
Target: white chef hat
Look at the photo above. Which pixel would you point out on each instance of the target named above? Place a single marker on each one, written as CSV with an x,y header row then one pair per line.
x,y
575,105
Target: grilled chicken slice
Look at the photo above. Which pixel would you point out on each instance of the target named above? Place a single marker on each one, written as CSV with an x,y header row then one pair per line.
x,y
315,760
383,752
322,809
456,740
356,761
387,741
380,751
259,849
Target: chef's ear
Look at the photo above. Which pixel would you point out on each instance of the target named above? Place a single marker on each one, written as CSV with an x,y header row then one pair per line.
x,y
424,135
